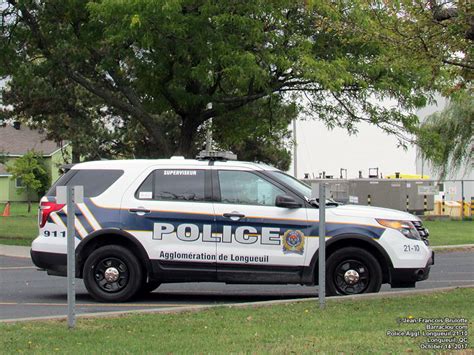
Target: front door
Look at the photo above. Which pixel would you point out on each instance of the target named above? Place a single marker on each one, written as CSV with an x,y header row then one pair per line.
x,y
259,242
169,210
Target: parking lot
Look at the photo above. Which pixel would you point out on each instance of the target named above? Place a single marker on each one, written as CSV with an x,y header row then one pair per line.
x,y
26,292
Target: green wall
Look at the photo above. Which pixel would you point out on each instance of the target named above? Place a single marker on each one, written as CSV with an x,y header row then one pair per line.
x,y
4,188
55,161
16,196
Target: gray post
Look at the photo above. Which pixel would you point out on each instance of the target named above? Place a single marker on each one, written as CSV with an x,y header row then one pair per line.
x,y
209,136
295,151
322,245
71,259
209,130
463,198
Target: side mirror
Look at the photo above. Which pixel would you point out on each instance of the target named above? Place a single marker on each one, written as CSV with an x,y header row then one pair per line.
x,y
287,202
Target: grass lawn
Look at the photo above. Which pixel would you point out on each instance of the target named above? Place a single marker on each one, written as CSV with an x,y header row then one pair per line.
x,y
344,327
447,232
22,227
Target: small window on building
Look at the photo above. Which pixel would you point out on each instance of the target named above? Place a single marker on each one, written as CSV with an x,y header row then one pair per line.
x,y
19,183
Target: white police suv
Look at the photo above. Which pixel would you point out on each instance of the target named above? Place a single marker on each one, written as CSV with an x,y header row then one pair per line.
x,y
147,222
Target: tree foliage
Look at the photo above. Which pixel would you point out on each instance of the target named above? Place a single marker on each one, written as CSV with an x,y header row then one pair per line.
x,y
30,169
64,110
266,140
446,139
150,68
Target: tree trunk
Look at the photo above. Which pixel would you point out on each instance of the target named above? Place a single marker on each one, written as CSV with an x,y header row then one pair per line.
x,y
188,131
29,200
76,156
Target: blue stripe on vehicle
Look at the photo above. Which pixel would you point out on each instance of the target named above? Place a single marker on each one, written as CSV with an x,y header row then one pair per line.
x,y
62,215
89,229
109,217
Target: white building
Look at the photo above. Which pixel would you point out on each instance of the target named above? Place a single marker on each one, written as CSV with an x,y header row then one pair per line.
x,y
462,180
320,149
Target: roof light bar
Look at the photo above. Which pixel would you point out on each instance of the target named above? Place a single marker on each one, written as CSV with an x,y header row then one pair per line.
x,y
216,155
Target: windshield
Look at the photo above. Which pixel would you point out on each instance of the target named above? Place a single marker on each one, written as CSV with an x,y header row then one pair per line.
x,y
302,188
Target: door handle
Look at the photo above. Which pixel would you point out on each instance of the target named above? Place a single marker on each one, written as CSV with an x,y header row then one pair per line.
x,y
139,211
235,216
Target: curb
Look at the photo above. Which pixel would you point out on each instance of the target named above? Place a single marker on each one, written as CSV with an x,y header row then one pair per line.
x,y
453,248
15,251
199,308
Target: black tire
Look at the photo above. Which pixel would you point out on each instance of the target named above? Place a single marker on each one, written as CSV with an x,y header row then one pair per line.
x,y
149,287
355,263
114,259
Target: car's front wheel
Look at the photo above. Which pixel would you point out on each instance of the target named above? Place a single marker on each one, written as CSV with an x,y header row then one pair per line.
x,y
352,271
112,274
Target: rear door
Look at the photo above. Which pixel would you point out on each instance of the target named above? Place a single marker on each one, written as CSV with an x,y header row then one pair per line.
x,y
169,210
260,242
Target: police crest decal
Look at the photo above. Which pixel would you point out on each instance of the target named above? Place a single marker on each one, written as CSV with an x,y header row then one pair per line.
x,y
293,242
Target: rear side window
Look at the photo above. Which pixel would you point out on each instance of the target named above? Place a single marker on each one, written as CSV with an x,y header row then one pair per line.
x,y
95,182
173,185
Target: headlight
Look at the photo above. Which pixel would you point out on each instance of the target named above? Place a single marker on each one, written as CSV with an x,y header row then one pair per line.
x,y
405,227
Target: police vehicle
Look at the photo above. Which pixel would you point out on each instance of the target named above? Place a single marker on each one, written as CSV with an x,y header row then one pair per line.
x,y
147,222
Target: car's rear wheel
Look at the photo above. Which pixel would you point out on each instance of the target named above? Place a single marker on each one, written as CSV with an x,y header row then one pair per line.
x,y
112,274
352,271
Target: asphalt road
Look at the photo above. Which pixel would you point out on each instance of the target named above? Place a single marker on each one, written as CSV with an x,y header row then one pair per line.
x,y
26,292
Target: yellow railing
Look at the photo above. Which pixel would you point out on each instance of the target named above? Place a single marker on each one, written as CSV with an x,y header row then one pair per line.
x,y
452,209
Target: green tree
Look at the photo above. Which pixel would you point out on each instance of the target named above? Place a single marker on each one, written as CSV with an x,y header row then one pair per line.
x,y
3,157
159,64
446,138
31,171
258,131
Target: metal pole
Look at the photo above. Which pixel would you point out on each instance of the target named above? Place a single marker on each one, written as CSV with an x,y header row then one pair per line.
x,y
463,198
71,259
209,130
422,167
322,245
295,151
209,136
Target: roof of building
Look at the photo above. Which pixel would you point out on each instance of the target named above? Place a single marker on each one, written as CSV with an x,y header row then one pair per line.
x,y
17,142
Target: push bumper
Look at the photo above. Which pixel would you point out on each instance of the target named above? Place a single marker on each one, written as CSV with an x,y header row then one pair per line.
x,y
53,263
402,277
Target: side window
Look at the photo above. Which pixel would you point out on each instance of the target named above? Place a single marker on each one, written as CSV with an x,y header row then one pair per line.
x,y
94,181
173,185
246,188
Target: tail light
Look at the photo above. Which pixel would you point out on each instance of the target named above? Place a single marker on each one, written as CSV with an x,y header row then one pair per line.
x,y
45,209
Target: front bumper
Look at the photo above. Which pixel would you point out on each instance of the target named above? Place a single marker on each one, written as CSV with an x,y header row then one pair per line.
x,y
407,277
53,263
